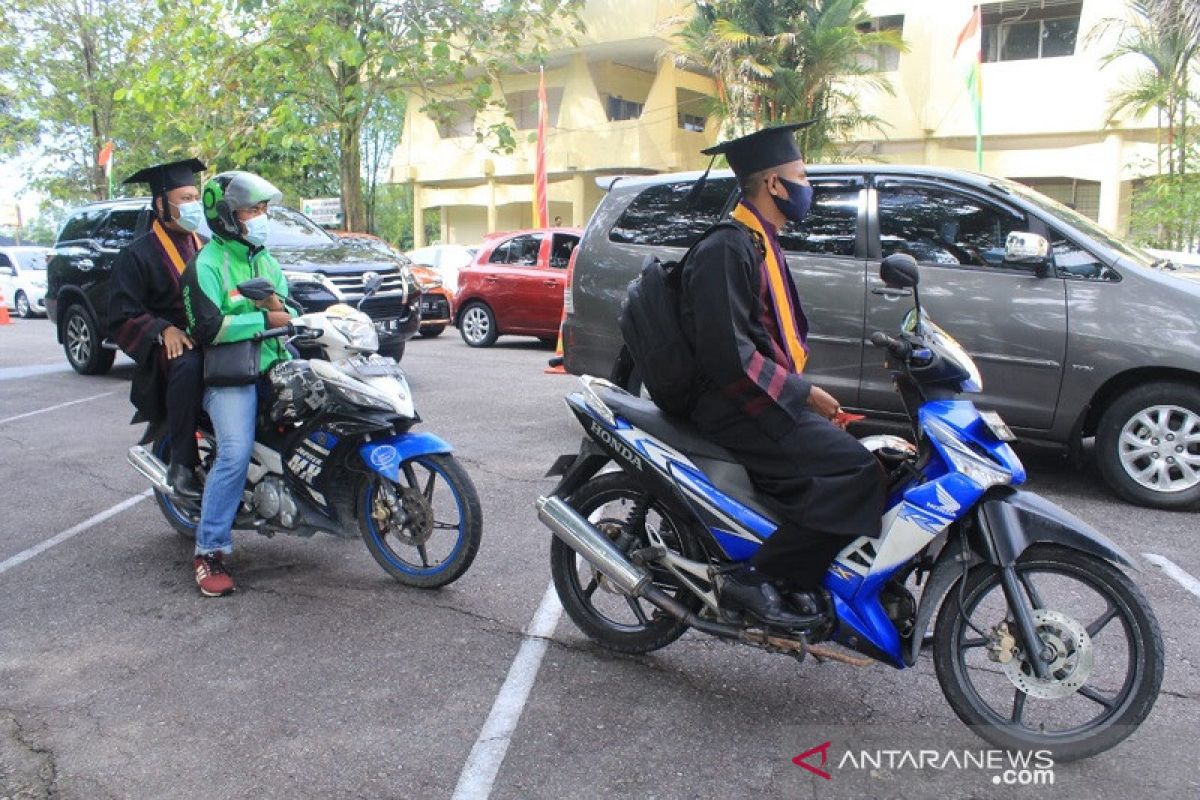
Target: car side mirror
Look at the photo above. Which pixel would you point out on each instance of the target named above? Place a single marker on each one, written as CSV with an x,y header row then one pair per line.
x,y
256,289
1029,250
899,271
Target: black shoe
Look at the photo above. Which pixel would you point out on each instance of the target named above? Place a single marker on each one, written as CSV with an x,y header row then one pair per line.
x,y
815,601
183,481
749,591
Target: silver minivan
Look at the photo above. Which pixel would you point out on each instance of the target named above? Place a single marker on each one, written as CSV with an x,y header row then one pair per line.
x,y
1100,340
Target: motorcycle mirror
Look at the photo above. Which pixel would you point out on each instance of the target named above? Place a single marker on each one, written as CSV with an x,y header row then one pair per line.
x,y
371,283
899,271
256,289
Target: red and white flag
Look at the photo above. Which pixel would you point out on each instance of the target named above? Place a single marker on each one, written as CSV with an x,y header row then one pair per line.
x,y
105,160
541,203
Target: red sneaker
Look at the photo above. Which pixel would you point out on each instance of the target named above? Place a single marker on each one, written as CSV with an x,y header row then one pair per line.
x,y
211,576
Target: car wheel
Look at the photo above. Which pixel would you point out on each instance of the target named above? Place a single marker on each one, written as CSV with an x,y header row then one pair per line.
x,y
477,324
21,304
1148,445
393,350
82,343
432,332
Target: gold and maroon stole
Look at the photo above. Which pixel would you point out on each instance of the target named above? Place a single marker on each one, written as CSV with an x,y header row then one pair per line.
x,y
793,327
169,250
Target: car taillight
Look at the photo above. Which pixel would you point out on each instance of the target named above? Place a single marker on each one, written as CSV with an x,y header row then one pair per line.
x,y
568,301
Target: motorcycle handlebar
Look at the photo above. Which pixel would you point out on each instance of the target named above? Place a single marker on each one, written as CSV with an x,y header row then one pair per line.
x,y
274,333
900,349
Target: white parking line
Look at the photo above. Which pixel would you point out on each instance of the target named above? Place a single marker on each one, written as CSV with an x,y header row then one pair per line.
x,y
475,782
25,555
55,408
1174,571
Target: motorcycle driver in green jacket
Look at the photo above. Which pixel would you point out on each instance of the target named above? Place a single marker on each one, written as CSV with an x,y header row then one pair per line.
x,y
235,206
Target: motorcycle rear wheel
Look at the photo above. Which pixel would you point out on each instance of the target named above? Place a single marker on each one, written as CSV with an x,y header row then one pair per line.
x,y
1117,618
616,620
183,517
435,496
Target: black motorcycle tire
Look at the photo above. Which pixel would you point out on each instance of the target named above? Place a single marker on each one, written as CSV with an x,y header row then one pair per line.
x,y
663,630
1120,592
470,520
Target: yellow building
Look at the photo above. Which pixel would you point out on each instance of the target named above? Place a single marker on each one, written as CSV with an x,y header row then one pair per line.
x,y
615,106
618,106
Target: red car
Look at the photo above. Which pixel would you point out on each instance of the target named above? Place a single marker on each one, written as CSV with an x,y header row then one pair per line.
x,y
515,286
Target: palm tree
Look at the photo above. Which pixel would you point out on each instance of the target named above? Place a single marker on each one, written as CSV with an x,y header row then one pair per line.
x,y
778,61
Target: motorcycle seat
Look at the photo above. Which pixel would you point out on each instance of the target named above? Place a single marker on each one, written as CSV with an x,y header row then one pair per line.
x,y
718,464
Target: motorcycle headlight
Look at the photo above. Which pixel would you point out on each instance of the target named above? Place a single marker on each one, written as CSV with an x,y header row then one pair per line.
x,y
359,398
361,333
976,466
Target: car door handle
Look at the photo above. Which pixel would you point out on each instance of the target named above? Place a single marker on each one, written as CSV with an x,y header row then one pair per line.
x,y
887,291
550,283
490,279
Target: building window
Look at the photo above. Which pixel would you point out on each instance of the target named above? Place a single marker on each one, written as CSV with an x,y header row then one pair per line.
x,y
884,59
1081,195
691,122
524,107
454,119
1027,30
619,109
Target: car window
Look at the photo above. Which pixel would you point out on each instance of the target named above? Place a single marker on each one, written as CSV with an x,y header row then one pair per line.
x,y
560,250
519,250
662,216
831,226
292,229
1071,260
940,226
31,259
81,224
118,230
4,262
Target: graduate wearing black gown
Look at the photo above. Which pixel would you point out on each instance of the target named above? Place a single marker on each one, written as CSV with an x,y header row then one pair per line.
x,y
147,318
744,318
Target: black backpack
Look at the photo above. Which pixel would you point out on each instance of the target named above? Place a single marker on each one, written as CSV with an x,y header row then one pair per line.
x,y
651,326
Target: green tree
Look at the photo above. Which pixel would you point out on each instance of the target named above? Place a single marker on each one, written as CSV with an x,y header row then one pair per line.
x,y
339,58
1163,37
67,58
779,61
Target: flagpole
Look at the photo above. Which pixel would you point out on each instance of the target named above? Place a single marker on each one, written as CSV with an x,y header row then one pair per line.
x,y
541,204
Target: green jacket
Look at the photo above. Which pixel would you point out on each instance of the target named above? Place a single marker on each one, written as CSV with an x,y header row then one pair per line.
x,y
216,311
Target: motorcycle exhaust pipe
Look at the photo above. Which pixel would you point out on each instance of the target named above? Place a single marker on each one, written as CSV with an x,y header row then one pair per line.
x,y
151,467
585,539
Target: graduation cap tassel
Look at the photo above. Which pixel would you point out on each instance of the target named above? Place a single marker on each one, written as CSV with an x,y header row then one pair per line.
x,y
694,194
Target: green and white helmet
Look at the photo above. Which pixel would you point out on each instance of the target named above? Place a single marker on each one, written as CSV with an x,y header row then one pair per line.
x,y
230,191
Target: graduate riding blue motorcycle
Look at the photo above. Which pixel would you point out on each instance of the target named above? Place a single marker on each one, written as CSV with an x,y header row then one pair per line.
x,y
1041,641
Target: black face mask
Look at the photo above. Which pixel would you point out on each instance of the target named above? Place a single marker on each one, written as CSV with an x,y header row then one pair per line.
x,y
798,202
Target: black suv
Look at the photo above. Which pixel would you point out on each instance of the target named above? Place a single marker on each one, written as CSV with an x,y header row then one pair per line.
x,y
320,270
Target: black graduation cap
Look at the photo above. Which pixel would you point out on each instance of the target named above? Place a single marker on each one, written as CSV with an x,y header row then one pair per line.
x,y
756,151
165,177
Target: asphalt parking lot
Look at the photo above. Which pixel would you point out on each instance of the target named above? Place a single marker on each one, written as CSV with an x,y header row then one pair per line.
x,y
321,677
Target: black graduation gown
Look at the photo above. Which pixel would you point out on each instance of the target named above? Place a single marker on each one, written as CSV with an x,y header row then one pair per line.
x,y
146,298
823,481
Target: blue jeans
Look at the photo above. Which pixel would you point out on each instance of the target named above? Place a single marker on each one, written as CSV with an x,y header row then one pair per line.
x,y
232,410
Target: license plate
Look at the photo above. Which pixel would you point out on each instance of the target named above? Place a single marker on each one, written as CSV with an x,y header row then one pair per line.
x,y
387,326
374,365
997,426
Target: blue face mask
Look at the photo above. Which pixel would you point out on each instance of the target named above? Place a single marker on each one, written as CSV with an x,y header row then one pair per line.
x,y
256,230
190,215
798,202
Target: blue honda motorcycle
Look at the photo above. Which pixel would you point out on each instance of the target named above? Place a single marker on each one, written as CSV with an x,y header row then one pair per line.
x,y
1041,641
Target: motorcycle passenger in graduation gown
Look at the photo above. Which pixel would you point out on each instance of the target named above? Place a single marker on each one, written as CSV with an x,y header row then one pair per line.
x,y
743,316
147,317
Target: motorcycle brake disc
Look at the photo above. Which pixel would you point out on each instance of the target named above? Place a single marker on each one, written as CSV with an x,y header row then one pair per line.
x,y
415,523
1071,665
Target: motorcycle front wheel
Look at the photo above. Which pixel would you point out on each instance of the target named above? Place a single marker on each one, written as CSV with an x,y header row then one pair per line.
x,y
1099,636
425,530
